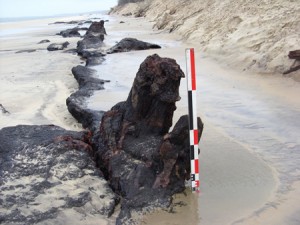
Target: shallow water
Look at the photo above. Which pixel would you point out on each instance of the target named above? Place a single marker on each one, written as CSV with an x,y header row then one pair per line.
x,y
246,110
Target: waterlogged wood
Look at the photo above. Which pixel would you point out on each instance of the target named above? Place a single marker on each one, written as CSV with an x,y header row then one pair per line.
x,y
145,162
294,54
292,70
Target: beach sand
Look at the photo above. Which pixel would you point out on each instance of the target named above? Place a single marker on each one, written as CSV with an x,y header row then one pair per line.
x,y
243,181
34,86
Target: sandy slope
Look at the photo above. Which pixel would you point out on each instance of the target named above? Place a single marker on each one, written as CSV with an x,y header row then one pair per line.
x,y
251,35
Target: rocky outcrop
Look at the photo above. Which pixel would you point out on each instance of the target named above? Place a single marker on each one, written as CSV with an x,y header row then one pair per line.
x,y
96,30
296,65
76,103
89,43
48,177
74,32
93,38
3,110
26,51
93,57
90,47
144,163
55,47
79,22
44,41
69,22
131,44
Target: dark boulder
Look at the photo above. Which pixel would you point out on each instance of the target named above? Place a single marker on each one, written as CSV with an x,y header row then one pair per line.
x,y
44,41
96,29
47,175
89,43
93,39
144,163
26,51
94,61
55,47
70,33
76,103
74,32
69,22
3,110
131,44
93,57
84,22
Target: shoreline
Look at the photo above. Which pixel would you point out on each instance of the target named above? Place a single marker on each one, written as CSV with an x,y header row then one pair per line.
x,y
167,51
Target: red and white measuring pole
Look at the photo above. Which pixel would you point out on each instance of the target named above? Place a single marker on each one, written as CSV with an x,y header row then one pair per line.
x,y
192,104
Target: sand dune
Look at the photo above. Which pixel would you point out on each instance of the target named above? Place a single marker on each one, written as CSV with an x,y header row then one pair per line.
x,y
250,35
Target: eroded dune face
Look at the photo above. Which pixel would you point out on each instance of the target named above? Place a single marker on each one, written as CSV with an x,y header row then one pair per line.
x,y
257,33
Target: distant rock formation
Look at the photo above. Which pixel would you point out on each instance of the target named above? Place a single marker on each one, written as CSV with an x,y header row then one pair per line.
x,y
97,29
131,44
44,41
73,32
26,51
93,39
55,47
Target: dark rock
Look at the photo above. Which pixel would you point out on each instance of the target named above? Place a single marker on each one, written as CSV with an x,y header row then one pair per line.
x,y
127,14
47,175
26,51
122,22
296,65
70,33
294,54
72,51
3,110
93,57
87,21
89,43
44,41
131,44
96,29
74,32
70,22
92,53
144,163
93,38
55,47
94,61
76,103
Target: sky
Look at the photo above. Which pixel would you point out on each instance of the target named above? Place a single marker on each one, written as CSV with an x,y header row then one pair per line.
x,y
30,8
